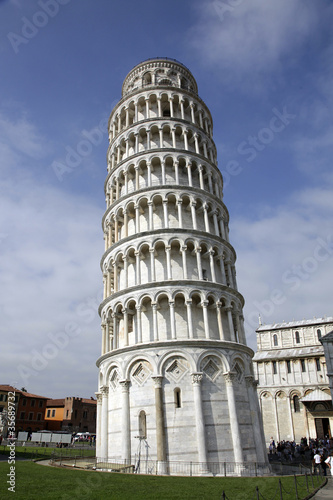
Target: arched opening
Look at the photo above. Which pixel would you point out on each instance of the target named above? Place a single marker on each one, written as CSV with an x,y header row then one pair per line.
x,y
297,338
177,396
142,425
296,404
275,340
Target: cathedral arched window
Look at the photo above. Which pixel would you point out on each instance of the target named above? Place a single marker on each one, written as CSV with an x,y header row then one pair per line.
x,y
275,340
297,338
318,334
296,404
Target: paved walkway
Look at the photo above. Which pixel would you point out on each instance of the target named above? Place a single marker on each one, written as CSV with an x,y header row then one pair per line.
x,y
325,493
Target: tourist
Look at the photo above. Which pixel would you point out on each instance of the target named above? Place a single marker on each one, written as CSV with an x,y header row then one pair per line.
x,y
329,462
317,462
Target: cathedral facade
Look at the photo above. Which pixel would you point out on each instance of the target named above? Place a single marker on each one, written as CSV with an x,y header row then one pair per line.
x,y
293,376
175,373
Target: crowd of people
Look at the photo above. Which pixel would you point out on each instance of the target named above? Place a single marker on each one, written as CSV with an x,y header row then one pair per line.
x,y
318,451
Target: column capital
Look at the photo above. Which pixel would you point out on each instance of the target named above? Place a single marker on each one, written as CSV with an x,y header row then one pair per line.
x,y
124,384
98,397
188,302
196,378
158,380
204,303
229,377
171,303
104,390
249,379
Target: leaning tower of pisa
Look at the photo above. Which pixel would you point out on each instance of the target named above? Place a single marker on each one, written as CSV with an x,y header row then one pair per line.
x,y
175,373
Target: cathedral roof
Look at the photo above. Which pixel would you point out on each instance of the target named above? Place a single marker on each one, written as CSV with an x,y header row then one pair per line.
x,y
293,353
295,324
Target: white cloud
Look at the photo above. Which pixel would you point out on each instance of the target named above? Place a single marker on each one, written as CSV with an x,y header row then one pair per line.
x,y
285,259
21,136
50,246
249,39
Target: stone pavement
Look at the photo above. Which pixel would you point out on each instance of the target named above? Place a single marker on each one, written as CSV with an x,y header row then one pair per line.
x,y
325,493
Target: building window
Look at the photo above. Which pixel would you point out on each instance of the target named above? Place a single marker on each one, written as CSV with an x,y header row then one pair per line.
x,y
178,402
1,397
297,339
303,365
22,415
53,413
24,402
318,334
288,366
32,403
31,415
142,425
39,416
274,368
296,404
85,414
318,366
75,414
275,340
41,403
67,412
48,413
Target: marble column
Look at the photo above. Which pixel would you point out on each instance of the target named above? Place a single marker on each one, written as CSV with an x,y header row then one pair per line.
x,y
233,418
160,425
125,422
104,423
98,423
200,421
256,421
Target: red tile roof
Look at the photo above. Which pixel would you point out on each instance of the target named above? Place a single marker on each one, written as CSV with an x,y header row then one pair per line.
x,y
10,388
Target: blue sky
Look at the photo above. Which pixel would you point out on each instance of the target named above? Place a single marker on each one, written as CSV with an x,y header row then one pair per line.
x,y
264,68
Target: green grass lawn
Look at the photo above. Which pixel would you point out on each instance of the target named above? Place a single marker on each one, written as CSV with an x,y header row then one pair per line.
x,y
34,481
34,452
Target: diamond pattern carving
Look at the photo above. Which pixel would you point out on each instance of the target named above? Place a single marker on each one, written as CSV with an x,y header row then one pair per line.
x,y
211,370
141,373
239,372
114,379
176,370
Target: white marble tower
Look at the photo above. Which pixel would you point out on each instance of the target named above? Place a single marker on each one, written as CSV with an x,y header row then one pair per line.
x,y
175,370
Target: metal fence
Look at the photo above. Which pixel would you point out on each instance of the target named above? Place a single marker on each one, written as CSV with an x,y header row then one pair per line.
x,y
142,466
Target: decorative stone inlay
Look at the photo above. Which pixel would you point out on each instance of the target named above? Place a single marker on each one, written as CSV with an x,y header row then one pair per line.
x,y
114,379
140,373
177,369
238,372
211,370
